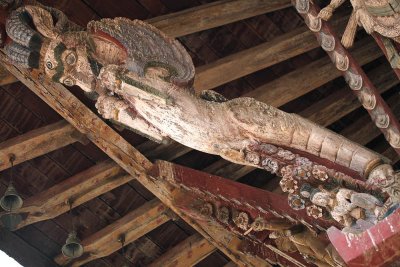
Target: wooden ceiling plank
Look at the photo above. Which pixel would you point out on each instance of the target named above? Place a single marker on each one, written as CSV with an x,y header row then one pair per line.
x,y
187,253
248,61
78,189
281,91
13,245
103,136
37,143
213,15
132,226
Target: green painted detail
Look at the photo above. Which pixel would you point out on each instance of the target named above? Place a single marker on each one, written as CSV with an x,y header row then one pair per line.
x,y
95,66
58,50
390,9
144,87
171,70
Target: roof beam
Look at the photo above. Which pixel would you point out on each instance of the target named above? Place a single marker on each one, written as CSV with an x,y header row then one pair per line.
x,y
281,91
123,153
37,143
132,226
240,64
213,15
77,189
187,253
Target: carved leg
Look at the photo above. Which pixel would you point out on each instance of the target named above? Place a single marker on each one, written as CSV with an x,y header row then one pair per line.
x,y
326,13
119,111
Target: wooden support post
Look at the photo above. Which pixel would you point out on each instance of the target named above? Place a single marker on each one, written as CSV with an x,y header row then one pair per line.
x,y
37,143
78,189
102,135
130,227
213,15
187,253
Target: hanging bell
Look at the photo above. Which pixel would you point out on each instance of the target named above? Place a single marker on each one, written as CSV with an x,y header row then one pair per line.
x,y
11,201
11,220
72,248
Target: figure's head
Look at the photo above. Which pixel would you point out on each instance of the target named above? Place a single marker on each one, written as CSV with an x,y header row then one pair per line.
x,y
382,176
43,38
69,64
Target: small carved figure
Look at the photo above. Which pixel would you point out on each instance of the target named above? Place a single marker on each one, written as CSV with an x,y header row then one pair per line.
x,y
381,16
309,245
346,206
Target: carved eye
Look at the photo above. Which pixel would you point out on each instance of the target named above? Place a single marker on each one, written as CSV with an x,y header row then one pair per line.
x,y
68,82
49,65
70,59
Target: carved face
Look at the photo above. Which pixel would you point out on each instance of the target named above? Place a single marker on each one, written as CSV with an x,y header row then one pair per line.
x,y
382,176
69,65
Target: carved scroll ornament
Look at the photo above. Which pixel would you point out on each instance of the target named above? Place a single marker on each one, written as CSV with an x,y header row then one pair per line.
x,y
143,79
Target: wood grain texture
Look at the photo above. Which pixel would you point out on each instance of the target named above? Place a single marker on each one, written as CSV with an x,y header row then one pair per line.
x,y
132,226
213,15
77,189
187,253
37,142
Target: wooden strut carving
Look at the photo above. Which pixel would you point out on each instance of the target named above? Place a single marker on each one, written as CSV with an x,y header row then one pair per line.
x,y
142,79
266,223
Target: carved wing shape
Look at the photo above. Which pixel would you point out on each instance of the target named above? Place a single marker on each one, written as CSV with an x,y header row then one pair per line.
x,y
147,47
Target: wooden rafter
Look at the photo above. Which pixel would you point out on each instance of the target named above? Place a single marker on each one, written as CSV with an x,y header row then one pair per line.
x,y
38,142
187,253
130,227
77,189
256,58
213,15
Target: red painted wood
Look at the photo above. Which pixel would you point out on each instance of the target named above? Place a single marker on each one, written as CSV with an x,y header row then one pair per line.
x,y
378,40
378,246
354,67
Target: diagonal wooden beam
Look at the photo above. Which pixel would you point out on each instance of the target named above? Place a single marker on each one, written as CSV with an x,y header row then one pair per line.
x,y
213,15
37,143
102,135
78,189
6,77
187,253
132,226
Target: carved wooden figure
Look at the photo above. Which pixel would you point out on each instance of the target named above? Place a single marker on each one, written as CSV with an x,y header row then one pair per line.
x,y
143,80
373,15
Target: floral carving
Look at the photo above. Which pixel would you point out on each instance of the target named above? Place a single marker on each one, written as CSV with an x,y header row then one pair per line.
x,y
320,172
314,211
288,185
241,219
296,202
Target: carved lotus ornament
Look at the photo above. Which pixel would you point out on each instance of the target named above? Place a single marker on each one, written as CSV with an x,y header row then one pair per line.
x,y
367,99
288,185
241,220
355,81
341,61
296,202
302,6
313,22
327,42
320,172
314,211
206,210
223,215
